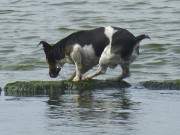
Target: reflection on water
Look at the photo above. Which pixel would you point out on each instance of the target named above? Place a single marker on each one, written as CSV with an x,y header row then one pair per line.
x,y
112,111
99,109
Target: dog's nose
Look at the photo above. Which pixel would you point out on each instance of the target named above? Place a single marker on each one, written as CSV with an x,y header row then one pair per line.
x,y
53,75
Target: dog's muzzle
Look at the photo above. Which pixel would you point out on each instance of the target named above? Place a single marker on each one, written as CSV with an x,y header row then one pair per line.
x,y
53,73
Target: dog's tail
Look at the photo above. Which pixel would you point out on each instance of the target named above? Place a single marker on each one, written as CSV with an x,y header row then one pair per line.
x,y
141,37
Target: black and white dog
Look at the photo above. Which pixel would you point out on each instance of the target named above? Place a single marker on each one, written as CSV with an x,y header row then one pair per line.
x,y
105,46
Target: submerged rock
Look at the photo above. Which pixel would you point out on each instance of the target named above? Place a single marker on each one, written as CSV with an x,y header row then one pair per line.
x,y
30,88
162,85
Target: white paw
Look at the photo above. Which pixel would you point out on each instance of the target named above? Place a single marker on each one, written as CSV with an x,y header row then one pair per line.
x,y
76,79
86,78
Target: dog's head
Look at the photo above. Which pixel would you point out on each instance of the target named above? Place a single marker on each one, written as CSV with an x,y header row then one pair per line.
x,y
53,56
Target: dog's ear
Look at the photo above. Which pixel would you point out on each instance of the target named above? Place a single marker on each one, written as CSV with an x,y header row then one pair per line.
x,y
45,44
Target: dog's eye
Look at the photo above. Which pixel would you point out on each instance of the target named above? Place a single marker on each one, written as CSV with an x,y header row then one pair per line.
x,y
59,65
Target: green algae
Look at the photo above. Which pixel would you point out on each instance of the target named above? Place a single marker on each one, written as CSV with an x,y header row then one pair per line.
x,y
162,85
32,88
28,88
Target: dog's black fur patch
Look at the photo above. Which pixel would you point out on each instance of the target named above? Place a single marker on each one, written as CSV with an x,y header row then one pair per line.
x,y
99,41
95,37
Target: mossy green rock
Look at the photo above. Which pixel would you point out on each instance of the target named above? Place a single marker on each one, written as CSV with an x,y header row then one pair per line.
x,y
28,88
32,88
162,85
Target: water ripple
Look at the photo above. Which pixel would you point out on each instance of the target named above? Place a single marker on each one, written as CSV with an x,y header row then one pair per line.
x,y
7,11
72,3
25,23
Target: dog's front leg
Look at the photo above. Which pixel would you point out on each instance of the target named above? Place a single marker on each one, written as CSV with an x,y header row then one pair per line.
x,y
100,70
77,58
72,76
78,73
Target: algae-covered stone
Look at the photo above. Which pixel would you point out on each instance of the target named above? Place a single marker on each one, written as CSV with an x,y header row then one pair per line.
x,y
31,88
162,85
28,88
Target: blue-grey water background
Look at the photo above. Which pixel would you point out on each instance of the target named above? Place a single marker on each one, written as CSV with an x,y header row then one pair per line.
x,y
131,111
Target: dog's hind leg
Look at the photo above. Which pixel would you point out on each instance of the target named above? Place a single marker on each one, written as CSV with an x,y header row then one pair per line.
x,y
100,70
125,71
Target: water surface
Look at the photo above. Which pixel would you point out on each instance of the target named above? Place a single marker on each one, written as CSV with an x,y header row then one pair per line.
x,y
135,110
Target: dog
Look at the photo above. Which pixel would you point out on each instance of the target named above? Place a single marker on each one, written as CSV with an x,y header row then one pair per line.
x,y
103,46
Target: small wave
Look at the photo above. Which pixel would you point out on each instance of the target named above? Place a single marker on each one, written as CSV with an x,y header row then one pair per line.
x,y
171,0
135,21
69,3
6,51
65,29
22,65
135,4
102,2
84,26
156,47
176,11
78,19
27,14
18,67
129,8
160,7
30,37
7,11
157,62
14,2
142,3
84,12
171,22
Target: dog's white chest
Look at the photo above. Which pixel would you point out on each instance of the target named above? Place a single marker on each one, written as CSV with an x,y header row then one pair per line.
x,y
88,51
89,57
